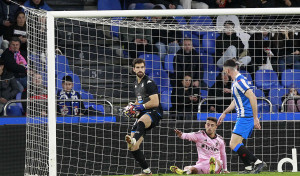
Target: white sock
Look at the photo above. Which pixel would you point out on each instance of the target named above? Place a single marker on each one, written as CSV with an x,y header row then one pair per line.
x,y
147,170
248,168
258,161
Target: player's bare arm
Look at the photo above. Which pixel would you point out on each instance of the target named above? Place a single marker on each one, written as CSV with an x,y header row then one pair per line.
x,y
253,101
153,103
229,109
178,132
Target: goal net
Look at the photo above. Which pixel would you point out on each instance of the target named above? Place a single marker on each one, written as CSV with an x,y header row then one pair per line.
x,y
80,77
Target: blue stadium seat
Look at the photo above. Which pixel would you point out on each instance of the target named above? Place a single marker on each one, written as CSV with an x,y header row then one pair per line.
x,y
207,62
37,63
165,100
19,97
86,95
209,77
203,93
115,30
154,70
266,79
76,80
290,77
62,64
275,96
248,76
109,5
180,20
14,110
169,63
153,62
209,42
162,80
262,105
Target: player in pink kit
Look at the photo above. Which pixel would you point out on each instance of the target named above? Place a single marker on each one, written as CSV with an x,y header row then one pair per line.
x,y
211,150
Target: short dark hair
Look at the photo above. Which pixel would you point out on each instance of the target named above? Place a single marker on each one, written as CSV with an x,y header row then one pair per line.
x,y
67,78
230,63
188,74
138,61
15,39
212,119
157,7
229,22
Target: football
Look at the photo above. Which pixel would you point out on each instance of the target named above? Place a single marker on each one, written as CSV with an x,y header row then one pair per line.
x,y
129,111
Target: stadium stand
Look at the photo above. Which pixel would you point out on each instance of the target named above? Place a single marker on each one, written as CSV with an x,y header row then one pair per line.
x,y
290,77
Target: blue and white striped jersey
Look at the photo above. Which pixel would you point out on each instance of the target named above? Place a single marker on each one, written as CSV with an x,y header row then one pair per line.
x,y
242,103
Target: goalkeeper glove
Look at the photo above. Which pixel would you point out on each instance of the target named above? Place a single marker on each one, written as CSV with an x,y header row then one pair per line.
x,y
139,107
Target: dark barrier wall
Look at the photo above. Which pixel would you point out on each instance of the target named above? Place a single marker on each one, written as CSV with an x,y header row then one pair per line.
x,y
109,155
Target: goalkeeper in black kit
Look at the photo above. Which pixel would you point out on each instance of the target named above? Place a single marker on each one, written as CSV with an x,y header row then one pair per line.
x,y
147,111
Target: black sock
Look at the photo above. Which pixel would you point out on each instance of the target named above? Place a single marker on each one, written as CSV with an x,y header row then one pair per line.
x,y
246,156
140,158
140,130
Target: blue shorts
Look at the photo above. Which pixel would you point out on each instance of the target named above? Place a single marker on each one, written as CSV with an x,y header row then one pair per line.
x,y
244,127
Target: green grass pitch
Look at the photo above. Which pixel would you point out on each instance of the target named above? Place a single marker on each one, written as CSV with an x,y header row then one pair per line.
x,y
235,173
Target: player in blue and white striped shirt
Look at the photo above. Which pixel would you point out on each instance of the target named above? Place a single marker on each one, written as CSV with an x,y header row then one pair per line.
x,y
245,103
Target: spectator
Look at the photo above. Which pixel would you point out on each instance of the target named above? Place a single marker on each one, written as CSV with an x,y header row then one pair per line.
x,y
260,48
229,45
221,88
140,4
287,51
8,86
187,60
68,107
167,4
198,4
37,4
137,41
288,3
38,92
18,29
228,3
292,105
8,11
15,62
185,98
166,41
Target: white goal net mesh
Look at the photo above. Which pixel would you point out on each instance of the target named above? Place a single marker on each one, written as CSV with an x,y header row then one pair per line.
x,y
184,56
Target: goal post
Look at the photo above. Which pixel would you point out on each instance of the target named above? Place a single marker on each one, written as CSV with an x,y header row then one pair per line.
x,y
113,158
51,95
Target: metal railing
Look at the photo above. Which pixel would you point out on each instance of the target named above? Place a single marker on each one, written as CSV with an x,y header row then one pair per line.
x,y
230,98
62,100
285,100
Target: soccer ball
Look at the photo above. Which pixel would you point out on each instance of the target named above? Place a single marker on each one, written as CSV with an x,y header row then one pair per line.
x,y
129,111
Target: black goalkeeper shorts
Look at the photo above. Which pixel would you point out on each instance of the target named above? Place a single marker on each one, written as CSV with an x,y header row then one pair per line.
x,y
155,119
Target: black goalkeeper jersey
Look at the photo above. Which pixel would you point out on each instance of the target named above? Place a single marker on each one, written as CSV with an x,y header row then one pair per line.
x,y
144,89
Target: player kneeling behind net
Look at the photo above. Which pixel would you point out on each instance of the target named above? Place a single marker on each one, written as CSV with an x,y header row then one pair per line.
x,y
211,150
147,111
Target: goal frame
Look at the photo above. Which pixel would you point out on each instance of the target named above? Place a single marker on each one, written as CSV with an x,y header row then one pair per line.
x,y
51,15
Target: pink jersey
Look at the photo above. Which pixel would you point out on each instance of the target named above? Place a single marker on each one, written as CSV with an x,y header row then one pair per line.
x,y
208,147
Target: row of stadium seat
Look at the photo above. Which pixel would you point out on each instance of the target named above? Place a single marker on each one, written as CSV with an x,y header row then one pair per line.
x,y
208,38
